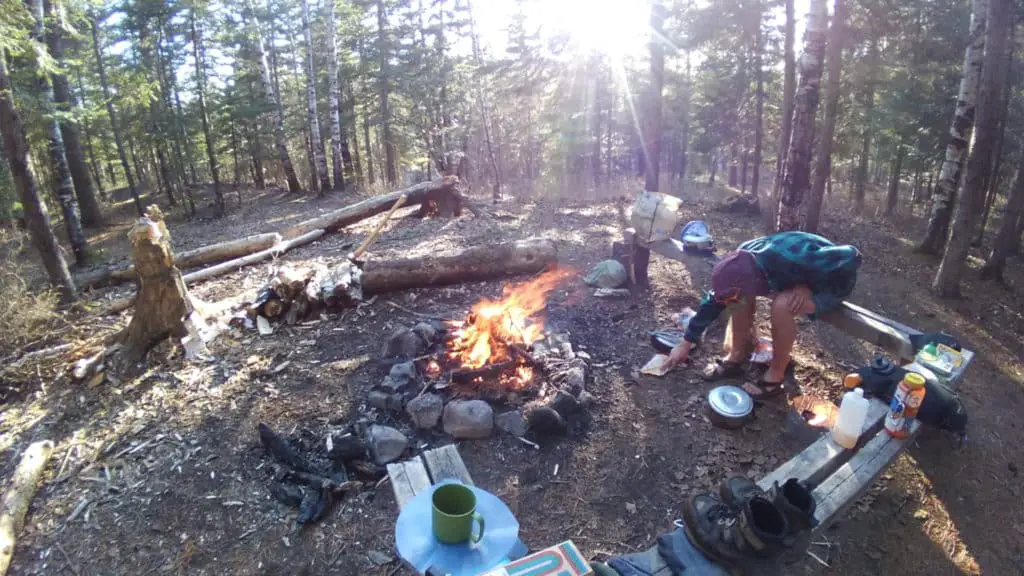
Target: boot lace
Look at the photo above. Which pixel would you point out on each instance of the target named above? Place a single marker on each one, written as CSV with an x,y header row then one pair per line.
x,y
723,515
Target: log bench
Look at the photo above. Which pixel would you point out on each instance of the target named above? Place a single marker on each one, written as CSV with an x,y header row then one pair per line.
x,y
410,477
838,477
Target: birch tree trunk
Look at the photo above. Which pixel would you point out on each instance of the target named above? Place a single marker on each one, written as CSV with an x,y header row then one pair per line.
x,y
92,215
860,180
316,140
944,195
786,126
115,127
37,218
63,181
837,37
796,179
268,91
390,169
979,164
337,137
211,144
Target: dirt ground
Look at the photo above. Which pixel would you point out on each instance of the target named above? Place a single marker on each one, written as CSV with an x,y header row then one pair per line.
x,y
164,474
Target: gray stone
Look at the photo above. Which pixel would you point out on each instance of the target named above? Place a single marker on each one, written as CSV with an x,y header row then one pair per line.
x,y
426,332
565,404
403,343
511,422
425,410
468,419
545,420
586,399
403,372
576,377
345,447
383,400
386,443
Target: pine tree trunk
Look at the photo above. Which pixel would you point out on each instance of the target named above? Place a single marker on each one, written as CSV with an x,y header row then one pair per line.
x,y
944,196
979,164
390,168
92,215
280,140
211,144
652,111
860,180
321,175
837,37
170,90
796,174
115,127
755,184
370,175
63,180
997,153
337,136
37,219
1007,239
350,129
892,195
788,105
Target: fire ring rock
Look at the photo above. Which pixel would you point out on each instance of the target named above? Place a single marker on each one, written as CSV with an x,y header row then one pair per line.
x,y
512,422
386,443
425,410
468,419
403,343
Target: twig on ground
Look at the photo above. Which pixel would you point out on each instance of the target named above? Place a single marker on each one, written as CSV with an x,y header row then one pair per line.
x,y
819,560
67,558
528,443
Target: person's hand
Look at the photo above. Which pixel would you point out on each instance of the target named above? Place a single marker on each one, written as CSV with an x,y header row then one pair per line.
x,y
680,354
801,295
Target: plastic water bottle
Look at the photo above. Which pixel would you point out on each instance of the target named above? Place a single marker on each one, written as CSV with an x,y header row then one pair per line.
x,y
852,413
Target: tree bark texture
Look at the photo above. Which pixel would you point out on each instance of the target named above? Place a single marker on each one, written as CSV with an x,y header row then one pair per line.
x,y
892,195
470,265
337,138
788,101
1007,238
211,144
390,167
267,85
755,184
37,219
997,153
321,176
115,126
860,181
979,164
652,112
834,61
63,180
944,195
92,215
796,178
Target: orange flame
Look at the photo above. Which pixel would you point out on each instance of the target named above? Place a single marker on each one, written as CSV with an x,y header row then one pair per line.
x,y
492,326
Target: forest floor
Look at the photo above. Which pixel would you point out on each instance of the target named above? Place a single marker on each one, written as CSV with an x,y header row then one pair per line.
x,y
165,474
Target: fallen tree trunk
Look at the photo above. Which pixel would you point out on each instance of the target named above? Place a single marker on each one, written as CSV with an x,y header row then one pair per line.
x,y
470,265
191,259
229,266
19,495
441,193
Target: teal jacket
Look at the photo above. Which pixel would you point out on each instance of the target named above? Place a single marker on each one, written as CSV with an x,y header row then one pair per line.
x,y
788,259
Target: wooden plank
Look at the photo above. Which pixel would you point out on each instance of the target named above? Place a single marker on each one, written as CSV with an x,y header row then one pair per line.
x,y
445,463
871,329
853,479
408,479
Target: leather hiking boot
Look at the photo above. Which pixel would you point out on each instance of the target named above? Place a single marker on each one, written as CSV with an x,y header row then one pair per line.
x,y
736,490
764,526
714,528
797,503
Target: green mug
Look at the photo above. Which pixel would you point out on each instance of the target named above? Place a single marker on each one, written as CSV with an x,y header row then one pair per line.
x,y
454,514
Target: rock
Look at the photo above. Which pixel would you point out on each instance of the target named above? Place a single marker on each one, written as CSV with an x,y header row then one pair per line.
x,y
607,274
576,378
545,420
386,443
403,343
468,419
384,400
426,332
586,399
511,422
425,410
565,404
403,372
345,447
378,558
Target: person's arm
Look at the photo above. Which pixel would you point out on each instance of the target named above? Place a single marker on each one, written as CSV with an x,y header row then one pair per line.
x,y
708,310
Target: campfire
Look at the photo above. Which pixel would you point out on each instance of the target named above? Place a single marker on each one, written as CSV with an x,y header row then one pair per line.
x,y
491,346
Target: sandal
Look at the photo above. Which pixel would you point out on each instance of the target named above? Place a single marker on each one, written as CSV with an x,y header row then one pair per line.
x,y
722,369
766,390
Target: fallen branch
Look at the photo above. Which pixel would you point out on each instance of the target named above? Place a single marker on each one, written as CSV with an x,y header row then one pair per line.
x,y
22,489
376,231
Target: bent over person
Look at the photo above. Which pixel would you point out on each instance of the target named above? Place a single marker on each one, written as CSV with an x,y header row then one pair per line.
x,y
801,273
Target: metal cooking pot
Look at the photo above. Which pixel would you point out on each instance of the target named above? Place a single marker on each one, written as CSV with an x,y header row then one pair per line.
x,y
729,406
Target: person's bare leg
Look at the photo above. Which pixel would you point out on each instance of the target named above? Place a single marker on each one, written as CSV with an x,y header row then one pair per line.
x,y
737,333
783,337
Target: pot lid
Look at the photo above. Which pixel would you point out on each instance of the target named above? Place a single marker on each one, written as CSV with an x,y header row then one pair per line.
x,y
730,401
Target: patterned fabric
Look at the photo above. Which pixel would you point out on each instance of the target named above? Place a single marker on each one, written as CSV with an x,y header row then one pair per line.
x,y
788,259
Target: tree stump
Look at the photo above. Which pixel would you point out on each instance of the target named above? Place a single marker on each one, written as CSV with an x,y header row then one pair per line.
x,y
163,305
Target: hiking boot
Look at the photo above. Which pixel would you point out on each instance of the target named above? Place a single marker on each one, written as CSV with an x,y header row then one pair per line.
x,y
764,526
797,503
714,528
737,490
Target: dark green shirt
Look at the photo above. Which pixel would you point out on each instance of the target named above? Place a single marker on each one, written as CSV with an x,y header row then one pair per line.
x,y
788,259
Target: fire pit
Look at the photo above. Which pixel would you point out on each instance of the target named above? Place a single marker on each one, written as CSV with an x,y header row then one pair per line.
x,y
499,356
